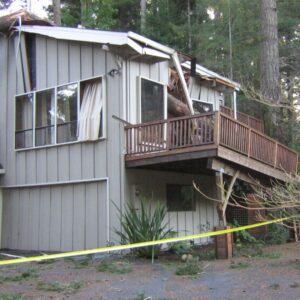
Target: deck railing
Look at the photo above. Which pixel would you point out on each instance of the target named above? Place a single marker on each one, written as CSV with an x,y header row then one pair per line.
x,y
170,134
212,128
244,118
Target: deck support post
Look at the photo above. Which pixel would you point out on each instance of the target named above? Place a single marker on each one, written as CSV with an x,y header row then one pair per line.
x,y
224,242
220,196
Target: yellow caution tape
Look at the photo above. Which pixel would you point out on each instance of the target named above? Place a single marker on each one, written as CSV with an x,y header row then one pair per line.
x,y
137,245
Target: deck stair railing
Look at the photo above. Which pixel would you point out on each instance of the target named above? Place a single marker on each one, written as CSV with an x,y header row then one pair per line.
x,y
244,118
213,128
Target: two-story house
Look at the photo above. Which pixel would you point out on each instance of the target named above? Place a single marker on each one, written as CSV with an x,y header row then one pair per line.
x,y
90,120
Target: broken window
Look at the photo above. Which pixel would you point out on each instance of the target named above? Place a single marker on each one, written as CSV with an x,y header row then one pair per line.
x,y
201,107
44,117
180,197
60,115
91,110
31,56
66,113
152,100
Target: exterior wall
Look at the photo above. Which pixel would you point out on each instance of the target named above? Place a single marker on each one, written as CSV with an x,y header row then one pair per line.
x,y
3,95
49,185
60,62
151,185
56,218
157,72
205,93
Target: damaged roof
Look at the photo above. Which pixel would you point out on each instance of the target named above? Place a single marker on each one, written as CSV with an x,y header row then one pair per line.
x,y
130,43
7,22
207,74
126,44
133,42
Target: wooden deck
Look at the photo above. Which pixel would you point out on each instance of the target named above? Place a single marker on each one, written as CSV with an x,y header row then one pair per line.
x,y
206,136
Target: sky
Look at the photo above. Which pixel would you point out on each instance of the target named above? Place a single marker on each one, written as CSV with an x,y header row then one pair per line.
x,y
35,6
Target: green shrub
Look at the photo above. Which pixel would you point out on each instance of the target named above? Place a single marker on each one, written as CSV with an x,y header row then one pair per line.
x,y
67,288
189,268
144,225
182,247
277,234
295,285
11,297
239,265
243,236
114,267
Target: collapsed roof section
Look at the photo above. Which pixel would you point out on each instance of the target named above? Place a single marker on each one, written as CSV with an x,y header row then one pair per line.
x,y
127,45
209,75
24,17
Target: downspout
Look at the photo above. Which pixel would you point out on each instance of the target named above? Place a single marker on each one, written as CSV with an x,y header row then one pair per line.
x,y
183,82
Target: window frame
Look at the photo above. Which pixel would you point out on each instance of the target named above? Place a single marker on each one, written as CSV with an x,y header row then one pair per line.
x,y
55,144
165,113
34,117
204,102
33,121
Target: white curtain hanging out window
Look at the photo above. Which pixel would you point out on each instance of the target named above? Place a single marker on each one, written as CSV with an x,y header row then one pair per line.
x,y
90,111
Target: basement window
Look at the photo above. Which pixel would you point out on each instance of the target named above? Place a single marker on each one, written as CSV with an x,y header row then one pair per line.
x,y
180,197
63,114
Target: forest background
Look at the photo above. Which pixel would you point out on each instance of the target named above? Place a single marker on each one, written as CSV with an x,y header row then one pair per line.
x,y
227,36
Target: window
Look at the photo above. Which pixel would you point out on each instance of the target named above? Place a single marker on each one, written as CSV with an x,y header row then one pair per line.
x,y
67,113
24,121
180,197
152,100
44,117
201,107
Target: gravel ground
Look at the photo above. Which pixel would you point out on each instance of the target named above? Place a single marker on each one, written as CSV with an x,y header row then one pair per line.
x,y
275,274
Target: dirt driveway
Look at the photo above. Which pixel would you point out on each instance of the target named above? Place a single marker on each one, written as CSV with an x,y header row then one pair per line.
x,y
273,274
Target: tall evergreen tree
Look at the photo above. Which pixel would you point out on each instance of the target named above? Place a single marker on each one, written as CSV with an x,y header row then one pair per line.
x,y
269,59
56,12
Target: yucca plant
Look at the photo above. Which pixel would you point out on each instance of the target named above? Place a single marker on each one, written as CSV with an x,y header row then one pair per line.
x,y
144,225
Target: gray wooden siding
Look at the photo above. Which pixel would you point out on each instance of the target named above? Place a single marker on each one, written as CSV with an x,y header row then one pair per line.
x,y
3,96
158,72
204,93
55,218
203,219
60,62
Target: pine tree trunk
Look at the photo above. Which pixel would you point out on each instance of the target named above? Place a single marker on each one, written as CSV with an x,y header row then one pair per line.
x,y
56,12
143,15
269,60
269,63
